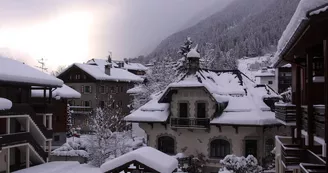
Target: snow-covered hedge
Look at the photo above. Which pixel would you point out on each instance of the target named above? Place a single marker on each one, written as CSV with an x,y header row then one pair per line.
x,y
72,148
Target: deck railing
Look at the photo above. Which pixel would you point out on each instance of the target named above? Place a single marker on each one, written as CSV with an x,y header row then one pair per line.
x,y
285,112
319,120
82,110
190,122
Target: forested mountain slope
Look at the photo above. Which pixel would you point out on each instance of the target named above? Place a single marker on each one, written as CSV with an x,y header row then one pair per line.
x,y
243,28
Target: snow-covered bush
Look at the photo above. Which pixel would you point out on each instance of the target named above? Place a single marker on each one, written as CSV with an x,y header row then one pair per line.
x,y
236,164
72,148
195,164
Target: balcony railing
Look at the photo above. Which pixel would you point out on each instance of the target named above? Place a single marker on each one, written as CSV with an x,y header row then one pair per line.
x,y
319,120
190,122
82,110
20,138
286,113
27,109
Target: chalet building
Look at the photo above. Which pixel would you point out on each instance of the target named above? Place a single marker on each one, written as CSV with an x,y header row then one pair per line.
x,y
267,77
214,113
304,44
26,127
60,98
100,84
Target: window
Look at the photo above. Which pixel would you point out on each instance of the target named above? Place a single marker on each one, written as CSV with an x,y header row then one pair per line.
x,y
84,77
219,148
183,110
112,89
102,104
102,89
121,88
87,103
77,76
201,110
166,144
270,82
70,77
87,89
56,138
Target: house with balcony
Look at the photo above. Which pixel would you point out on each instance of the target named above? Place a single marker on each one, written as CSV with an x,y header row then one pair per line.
x,y
26,128
304,45
60,97
214,113
100,85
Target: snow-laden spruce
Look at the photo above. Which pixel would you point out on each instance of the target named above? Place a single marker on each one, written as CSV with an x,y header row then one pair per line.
x,y
235,164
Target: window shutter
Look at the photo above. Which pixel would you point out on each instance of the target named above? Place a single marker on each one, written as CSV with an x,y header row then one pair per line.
x,y
90,89
82,89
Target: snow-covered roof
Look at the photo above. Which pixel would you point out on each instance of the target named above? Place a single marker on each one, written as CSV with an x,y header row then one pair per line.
x,y
62,92
134,66
150,112
296,21
243,97
135,90
265,73
148,156
287,66
5,104
193,53
15,71
116,74
101,63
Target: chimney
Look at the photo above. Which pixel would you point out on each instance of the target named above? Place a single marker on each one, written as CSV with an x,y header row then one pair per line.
x,y
107,69
193,57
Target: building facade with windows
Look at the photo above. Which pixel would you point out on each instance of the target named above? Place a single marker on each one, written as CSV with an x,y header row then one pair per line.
x,y
100,85
214,113
267,77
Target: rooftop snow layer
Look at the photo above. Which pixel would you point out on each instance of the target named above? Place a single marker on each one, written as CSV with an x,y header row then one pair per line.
x,y
320,10
15,71
135,90
63,92
116,74
193,53
50,167
150,112
300,15
243,97
135,66
148,156
101,63
5,104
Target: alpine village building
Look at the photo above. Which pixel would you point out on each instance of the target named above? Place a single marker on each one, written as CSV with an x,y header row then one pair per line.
x,y
100,84
214,113
27,111
304,44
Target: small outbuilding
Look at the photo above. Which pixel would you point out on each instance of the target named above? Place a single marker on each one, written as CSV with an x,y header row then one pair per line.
x,y
145,159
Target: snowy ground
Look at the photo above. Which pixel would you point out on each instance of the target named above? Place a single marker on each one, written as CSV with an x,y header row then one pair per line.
x,y
250,66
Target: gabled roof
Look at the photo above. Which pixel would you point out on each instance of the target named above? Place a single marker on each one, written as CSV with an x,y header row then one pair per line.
x,y
244,99
148,156
101,63
62,92
134,66
298,22
98,72
18,72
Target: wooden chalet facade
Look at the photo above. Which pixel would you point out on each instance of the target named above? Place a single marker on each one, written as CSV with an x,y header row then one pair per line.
x,y
26,127
307,51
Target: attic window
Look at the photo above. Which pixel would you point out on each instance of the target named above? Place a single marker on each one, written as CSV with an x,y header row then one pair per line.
x,y
270,82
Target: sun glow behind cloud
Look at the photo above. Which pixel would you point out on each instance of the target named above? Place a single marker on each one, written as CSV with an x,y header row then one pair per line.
x,y
61,40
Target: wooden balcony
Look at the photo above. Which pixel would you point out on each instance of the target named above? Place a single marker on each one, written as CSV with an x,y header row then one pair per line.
x,y
192,123
286,113
81,110
319,120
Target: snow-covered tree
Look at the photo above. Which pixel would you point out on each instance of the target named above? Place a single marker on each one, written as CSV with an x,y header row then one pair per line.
x,y
236,164
69,124
209,56
197,164
58,70
108,126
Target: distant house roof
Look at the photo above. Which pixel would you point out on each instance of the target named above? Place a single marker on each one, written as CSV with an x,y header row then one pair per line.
x,y
62,92
147,156
18,72
98,72
101,63
5,104
265,73
193,53
244,99
134,66
297,23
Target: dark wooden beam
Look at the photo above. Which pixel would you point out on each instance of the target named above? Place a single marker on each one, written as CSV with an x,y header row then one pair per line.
x,y
151,124
309,87
325,55
236,128
218,126
298,104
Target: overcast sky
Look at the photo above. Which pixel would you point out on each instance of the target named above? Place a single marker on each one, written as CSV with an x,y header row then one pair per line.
x,y
67,31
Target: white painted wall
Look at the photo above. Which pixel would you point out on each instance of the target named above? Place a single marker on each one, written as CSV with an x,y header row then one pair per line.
x,y
265,80
3,163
